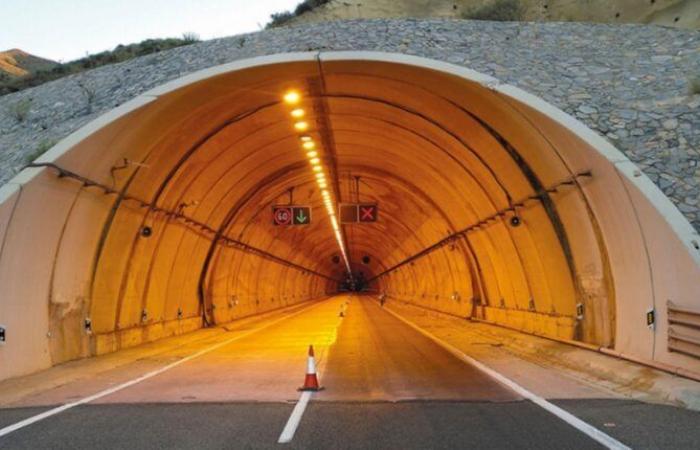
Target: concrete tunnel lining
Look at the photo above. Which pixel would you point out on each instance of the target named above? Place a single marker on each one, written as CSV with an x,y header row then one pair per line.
x,y
522,277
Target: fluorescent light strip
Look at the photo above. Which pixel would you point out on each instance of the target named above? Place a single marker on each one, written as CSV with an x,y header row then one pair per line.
x,y
292,98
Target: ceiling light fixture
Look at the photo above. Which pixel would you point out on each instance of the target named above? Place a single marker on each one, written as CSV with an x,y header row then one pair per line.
x,y
292,97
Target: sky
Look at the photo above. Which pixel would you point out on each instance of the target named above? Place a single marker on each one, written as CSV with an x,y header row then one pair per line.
x,y
64,30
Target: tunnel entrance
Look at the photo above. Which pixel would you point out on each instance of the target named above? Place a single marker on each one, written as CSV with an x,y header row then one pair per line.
x,y
493,205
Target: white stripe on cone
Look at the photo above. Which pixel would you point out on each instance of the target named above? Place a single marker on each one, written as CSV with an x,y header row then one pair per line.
x,y
311,366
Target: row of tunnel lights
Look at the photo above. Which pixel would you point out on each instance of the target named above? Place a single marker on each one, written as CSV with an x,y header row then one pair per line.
x,y
301,125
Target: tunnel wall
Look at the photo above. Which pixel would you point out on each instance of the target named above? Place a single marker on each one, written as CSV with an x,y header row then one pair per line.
x,y
70,252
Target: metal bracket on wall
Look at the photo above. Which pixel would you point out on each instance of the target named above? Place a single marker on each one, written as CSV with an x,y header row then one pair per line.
x,y
510,211
179,216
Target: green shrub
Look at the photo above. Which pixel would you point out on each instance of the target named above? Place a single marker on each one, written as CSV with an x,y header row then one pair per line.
x,y
20,109
190,38
694,86
40,149
499,10
279,19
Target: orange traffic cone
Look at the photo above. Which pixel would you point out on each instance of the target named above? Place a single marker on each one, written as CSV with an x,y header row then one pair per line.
x,y
311,379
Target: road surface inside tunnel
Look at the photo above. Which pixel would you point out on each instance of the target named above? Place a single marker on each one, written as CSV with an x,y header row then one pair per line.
x,y
386,386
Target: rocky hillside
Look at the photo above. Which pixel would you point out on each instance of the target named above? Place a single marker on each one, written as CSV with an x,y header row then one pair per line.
x,y
676,13
16,63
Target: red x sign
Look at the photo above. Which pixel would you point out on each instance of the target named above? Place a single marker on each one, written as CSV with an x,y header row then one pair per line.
x,y
368,213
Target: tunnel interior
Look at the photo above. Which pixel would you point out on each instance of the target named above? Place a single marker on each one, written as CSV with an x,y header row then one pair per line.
x,y
432,160
488,206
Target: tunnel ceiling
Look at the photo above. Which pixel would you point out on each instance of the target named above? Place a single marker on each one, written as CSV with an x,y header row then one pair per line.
x,y
430,164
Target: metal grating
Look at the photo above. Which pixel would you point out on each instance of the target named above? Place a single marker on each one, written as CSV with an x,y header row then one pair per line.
x,y
683,330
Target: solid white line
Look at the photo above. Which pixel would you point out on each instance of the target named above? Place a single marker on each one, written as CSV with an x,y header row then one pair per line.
x,y
59,409
591,431
291,427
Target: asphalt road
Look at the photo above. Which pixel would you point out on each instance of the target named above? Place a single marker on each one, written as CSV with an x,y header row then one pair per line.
x,y
386,386
378,357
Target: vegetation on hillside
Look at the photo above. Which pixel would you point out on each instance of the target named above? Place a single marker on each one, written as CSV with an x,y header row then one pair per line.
x,y
119,54
694,85
499,10
280,18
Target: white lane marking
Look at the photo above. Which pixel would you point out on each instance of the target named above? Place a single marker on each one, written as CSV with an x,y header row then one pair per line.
x,y
295,418
291,427
591,431
59,409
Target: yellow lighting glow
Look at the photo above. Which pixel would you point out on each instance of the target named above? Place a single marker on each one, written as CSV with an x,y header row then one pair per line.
x,y
292,97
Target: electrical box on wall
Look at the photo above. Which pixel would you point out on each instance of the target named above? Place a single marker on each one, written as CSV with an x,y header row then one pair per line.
x,y
651,318
3,336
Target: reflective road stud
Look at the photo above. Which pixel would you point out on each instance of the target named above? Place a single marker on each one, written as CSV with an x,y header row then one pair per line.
x,y
311,379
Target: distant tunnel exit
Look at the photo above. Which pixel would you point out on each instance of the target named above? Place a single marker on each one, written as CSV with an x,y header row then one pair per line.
x,y
471,198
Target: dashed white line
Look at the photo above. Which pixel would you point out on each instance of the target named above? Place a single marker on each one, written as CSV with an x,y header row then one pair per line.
x,y
291,427
292,424
586,428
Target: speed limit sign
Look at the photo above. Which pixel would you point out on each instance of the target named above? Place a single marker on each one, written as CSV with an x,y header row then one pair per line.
x,y
282,215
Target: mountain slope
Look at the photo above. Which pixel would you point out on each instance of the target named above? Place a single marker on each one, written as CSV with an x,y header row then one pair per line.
x,y
676,13
16,63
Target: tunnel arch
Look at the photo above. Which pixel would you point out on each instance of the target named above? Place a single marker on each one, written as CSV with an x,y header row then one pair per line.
x,y
450,155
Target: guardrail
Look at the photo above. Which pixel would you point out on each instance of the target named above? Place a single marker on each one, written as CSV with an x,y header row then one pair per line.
x,y
683,330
